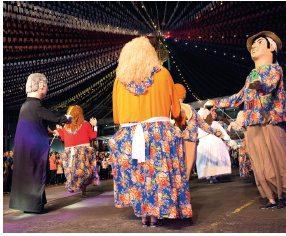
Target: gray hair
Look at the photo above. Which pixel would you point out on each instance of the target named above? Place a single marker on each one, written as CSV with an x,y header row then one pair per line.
x,y
33,81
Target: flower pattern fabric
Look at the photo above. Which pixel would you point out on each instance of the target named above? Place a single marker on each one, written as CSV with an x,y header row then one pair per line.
x,y
191,131
271,97
141,88
79,167
158,186
244,161
75,131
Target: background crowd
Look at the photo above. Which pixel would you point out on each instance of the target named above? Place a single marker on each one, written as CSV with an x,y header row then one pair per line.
x,y
55,171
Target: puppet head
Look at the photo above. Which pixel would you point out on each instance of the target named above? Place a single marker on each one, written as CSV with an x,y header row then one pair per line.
x,y
181,91
136,61
37,83
78,118
264,44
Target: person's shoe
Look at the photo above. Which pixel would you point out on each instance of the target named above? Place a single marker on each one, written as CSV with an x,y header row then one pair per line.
x,y
280,204
71,191
211,181
268,205
145,224
156,224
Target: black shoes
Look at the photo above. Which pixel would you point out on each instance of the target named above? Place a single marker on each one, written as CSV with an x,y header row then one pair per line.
x,y
280,204
151,224
156,224
268,205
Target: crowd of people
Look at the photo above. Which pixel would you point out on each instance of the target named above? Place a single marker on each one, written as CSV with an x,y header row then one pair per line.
x,y
8,158
160,140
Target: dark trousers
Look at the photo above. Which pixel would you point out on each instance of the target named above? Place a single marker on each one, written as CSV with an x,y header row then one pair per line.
x,y
9,180
104,173
5,178
59,178
53,176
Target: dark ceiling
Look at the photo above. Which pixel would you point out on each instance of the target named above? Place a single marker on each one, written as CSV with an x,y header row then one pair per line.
x,y
77,44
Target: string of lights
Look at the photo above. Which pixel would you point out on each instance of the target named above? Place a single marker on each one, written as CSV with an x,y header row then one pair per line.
x,y
188,88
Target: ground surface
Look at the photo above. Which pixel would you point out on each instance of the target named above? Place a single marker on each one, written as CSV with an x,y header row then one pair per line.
x,y
231,205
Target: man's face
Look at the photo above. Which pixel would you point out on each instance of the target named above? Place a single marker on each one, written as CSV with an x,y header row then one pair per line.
x,y
11,153
45,90
4,154
259,49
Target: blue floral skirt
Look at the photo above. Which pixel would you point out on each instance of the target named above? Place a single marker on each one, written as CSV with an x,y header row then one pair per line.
x,y
157,187
80,167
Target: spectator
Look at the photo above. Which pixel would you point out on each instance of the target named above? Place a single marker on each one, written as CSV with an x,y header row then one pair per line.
x,y
104,168
59,169
5,176
109,168
98,162
53,168
10,160
4,156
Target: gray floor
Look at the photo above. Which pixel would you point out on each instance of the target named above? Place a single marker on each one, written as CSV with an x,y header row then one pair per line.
x,y
231,205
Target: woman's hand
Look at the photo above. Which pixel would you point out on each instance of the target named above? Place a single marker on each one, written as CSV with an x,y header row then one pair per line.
x,y
93,121
56,133
219,134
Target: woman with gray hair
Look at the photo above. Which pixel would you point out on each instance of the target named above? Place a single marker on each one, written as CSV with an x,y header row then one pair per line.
x,y
31,148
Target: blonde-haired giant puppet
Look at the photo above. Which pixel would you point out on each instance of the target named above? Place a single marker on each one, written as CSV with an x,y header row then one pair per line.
x,y
191,121
147,151
263,96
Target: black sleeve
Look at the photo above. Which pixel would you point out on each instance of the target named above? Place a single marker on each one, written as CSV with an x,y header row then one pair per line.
x,y
49,116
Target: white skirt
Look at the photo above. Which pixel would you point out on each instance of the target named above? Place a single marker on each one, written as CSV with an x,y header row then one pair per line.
x,y
212,154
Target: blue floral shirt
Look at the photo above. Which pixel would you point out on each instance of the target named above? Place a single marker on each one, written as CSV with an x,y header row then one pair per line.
x,y
271,97
191,131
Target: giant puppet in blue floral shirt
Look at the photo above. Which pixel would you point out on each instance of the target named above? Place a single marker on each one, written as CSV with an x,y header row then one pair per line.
x,y
264,118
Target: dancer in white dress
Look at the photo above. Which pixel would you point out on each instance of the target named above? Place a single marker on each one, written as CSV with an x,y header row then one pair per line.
x,y
212,153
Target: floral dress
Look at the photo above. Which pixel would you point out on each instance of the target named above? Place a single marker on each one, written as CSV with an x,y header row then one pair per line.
x,y
158,186
244,161
79,162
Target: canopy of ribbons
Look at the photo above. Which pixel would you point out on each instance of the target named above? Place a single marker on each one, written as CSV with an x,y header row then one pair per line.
x,y
77,45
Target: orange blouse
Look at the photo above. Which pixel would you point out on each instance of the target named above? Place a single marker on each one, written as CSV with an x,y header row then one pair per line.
x,y
158,100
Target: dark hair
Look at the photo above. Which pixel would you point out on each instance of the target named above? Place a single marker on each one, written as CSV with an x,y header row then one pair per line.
x,y
268,46
209,119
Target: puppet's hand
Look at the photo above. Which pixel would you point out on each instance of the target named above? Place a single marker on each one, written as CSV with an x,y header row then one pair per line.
x,y
56,133
255,84
93,121
59,127
69,117
219,134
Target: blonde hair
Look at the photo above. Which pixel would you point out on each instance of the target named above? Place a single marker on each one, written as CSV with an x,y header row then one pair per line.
x,y
136,61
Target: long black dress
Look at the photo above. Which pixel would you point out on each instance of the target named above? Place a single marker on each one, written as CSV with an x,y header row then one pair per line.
x,y
31,148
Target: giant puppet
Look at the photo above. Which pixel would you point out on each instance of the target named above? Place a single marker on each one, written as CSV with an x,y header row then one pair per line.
x,y
31,148
264,117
